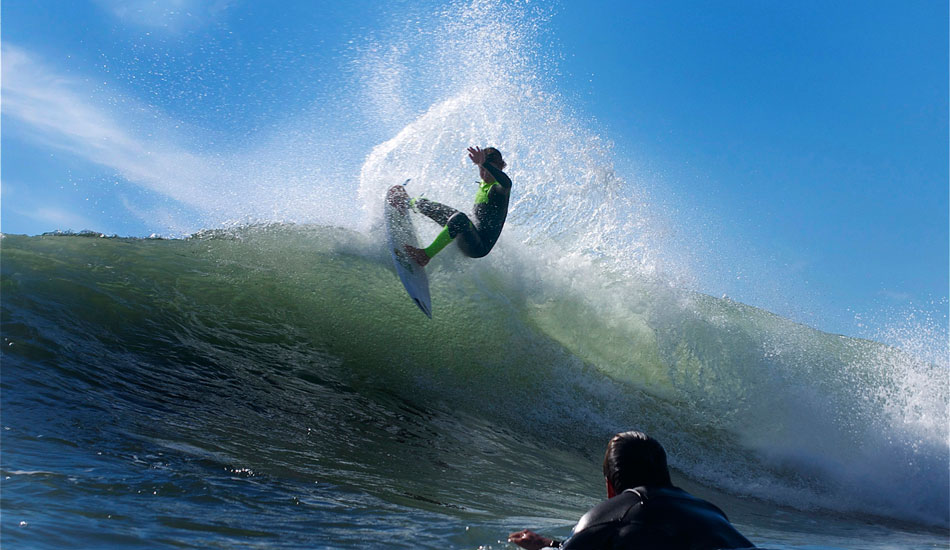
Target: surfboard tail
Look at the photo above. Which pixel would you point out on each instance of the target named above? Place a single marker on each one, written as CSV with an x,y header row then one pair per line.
x,y
424,307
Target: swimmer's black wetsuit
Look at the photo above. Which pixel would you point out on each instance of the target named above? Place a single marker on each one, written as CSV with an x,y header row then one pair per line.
x,y
491,209
655,518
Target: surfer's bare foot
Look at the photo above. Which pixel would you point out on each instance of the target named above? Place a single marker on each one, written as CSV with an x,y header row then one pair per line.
x,y
398,198
418,255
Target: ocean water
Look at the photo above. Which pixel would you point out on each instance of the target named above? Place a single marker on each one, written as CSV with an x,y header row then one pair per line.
x,y
273,387
268,383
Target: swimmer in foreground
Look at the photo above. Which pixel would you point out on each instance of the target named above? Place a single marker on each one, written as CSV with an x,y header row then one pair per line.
x,y
475,239
643,509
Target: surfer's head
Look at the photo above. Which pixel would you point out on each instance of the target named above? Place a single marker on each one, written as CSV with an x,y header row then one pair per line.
x,y
493,157
634,459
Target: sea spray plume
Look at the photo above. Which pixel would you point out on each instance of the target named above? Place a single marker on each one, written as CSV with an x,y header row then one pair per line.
x,y
485,85
916,329
831,421
754,403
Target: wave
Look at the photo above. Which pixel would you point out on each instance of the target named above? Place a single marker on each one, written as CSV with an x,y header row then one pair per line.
x,y
226,334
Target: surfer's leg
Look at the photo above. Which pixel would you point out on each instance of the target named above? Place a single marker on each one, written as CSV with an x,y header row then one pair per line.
x,y
461,229
470,243
467,236
439,213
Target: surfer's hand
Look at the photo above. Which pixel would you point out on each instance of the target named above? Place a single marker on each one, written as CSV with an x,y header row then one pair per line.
x,y
529,539
477,155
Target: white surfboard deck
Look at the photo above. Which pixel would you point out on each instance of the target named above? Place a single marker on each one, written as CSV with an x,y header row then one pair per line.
x,y
399,232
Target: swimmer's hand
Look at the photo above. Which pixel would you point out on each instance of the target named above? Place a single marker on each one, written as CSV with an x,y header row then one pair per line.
x,y
477,155
529,539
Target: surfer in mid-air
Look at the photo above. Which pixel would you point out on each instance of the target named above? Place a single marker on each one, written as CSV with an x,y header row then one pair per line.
x,y
475,238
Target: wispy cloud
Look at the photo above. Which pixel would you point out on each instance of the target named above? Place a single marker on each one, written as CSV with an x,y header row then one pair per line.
x,y
59,116
273,181
48,217
170,15
60,219
895,296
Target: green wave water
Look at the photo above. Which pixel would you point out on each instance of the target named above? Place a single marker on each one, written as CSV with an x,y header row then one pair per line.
x,y
274,386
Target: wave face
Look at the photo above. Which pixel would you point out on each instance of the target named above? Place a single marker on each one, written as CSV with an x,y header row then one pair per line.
x,y
293,352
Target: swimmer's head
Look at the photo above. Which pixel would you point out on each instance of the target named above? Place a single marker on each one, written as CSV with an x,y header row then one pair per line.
x,y
634,459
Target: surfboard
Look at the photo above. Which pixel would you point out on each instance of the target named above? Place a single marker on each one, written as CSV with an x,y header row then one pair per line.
x,y
400,232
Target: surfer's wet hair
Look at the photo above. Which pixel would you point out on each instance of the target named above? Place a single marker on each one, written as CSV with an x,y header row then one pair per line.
x,y
634,459
493,157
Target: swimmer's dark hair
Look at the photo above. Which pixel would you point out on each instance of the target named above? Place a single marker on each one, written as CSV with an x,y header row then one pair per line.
x,y
634,459
493,157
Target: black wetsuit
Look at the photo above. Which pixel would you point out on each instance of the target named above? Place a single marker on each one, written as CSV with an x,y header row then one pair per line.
x,y
655,518
491,209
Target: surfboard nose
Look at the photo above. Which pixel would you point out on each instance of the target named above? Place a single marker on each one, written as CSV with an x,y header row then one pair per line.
x,y
398,198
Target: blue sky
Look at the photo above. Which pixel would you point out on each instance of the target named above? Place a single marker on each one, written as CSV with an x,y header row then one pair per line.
x,y
816,131
802,147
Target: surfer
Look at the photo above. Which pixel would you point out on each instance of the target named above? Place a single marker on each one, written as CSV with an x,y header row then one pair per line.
x,y
643,509
475,239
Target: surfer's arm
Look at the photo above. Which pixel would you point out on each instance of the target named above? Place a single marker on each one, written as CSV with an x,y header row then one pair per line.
x,y
532,541
502,178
